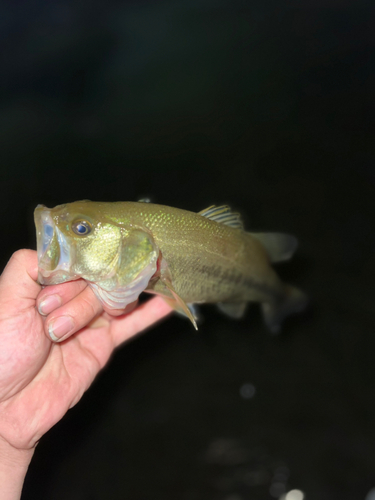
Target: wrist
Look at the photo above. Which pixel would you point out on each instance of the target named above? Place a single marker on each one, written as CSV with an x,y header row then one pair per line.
x,y
13,468
13,457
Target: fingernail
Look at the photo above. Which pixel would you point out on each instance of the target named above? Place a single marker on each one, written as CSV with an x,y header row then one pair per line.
x,y
49,304
59,328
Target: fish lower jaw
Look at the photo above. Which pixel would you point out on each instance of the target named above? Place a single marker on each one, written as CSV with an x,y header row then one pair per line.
x,y
54,277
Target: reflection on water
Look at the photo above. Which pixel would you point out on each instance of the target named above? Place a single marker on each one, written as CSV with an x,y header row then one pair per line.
x,y
239,471
247,391
279,481
293,495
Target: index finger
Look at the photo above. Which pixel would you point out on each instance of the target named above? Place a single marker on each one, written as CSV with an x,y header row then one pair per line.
x,y
54,296
148,313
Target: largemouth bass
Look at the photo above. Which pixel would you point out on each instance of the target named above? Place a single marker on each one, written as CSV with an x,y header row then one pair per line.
x,y
122,249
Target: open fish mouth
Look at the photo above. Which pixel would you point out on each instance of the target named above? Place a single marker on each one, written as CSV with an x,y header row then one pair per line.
x,y
54,252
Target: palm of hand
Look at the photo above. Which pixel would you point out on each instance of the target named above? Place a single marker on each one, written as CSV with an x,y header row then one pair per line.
x,y
40,380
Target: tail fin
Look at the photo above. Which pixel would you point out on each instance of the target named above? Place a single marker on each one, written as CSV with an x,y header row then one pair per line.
x,y
279,246
274,313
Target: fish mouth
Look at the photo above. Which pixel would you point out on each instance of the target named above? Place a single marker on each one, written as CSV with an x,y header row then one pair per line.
x,y
54,252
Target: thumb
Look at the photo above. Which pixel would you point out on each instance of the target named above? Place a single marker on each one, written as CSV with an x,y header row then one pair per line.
x,y
18,282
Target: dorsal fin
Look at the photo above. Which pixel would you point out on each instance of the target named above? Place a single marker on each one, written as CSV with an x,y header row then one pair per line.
x,y
223,215
279,246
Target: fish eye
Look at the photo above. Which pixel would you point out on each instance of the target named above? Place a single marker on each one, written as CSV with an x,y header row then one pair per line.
x,y
81,227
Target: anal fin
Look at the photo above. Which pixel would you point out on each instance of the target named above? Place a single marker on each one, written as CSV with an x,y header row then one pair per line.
x,y
294,301
234,310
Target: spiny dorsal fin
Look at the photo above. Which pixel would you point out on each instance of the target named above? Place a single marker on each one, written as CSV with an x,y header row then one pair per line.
x,y
223,215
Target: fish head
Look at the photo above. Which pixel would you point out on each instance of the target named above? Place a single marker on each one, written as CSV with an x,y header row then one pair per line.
x,y
79,240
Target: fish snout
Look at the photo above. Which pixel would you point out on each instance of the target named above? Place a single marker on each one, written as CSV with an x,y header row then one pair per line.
x,y
52,249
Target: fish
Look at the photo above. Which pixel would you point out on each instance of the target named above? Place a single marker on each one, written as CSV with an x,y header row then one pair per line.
x,y
122,249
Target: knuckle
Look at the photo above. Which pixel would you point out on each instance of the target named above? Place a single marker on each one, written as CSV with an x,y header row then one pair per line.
x,y
90,306
21,255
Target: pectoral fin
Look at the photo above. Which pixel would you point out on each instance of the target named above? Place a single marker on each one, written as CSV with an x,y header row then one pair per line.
x,y
177,302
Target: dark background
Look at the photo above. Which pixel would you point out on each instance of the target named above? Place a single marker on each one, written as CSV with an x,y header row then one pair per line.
x,y
267,106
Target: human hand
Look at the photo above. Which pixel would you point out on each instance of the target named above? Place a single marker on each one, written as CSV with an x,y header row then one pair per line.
x,y
41,379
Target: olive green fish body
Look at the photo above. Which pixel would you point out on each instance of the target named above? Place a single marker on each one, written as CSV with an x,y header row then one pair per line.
x,y
186,257
208,261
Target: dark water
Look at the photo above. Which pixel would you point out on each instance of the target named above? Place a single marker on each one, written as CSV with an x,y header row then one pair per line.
x,y
267,106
